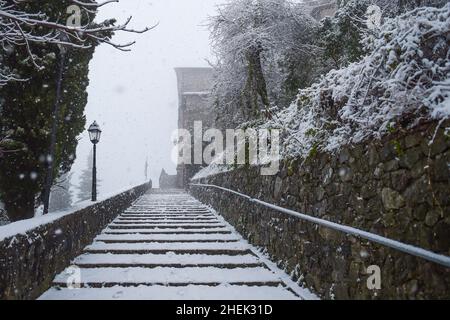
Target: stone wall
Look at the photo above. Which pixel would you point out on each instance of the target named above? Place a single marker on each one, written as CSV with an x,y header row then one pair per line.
x,y
398,187
29,262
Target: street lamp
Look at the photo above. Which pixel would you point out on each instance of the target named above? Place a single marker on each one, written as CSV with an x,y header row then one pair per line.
x,y
94,135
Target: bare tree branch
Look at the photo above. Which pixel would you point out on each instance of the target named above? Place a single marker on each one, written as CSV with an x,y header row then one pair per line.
x,y
20,28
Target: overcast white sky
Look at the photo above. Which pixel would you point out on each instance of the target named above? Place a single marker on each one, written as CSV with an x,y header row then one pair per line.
x,y
133,96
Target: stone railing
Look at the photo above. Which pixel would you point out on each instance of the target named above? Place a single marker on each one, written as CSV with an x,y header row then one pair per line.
x,y
30,259
397,188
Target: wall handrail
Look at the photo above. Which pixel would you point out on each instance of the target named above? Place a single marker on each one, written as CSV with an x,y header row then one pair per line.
x,y
394,244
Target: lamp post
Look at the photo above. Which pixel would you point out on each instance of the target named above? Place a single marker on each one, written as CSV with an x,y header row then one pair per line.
x,y
94,135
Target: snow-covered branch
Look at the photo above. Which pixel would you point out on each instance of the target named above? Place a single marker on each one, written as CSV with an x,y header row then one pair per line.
x,y
257,44
403,80
18,27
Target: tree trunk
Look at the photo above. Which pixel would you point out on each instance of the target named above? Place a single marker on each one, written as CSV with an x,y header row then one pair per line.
x,y
255,91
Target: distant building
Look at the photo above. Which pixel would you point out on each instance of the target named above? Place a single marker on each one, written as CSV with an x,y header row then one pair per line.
x,y
194,88
167,181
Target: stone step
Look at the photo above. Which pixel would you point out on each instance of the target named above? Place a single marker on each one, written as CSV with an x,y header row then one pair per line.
x,y
234,246
166,221
133,276
169,241
178,215
168,211
167,231
167,260
229,248
163,226
167,237
176,208
170,219
190,292
167,218
168,207
167,224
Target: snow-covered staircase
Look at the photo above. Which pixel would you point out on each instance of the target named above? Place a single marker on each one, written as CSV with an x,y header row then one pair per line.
x,y
168,245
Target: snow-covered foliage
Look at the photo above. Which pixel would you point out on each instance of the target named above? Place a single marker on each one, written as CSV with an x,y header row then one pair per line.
x,y
341,36
404,79
253,41
392,8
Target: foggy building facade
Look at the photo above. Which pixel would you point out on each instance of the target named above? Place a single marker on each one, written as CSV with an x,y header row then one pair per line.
x,y
167,181
194,92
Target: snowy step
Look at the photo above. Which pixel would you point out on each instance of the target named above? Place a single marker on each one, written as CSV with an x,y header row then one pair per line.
x,y
174,209
164,207
107,277
165,219
166,225
167,215
150,211
232,248
178,215
177,208
163,227
167,208
166,260
190,292
166,237
167,231
156,212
